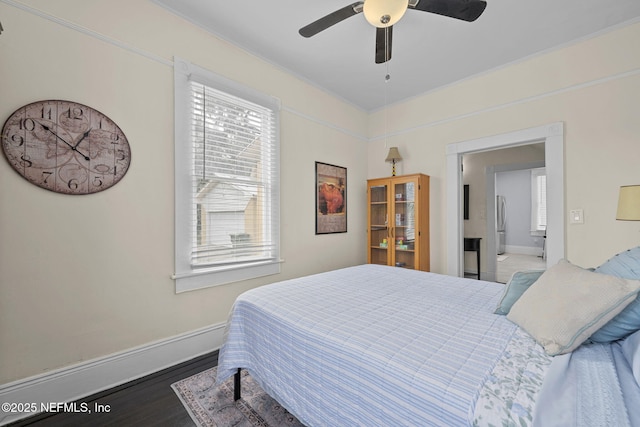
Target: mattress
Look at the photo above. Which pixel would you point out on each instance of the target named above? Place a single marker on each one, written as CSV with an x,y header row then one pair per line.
x,y
371,345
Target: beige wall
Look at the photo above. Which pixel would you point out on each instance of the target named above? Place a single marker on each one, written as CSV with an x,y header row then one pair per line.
x,y
592,86
88,276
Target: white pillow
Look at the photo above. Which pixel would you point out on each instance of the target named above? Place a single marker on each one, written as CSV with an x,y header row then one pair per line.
x,y
567,304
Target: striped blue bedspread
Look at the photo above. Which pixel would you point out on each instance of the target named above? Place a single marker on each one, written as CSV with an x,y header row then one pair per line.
x,y
369,345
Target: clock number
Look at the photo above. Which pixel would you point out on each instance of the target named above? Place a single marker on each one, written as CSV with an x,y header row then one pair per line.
x,y
25,161
115,138
75,113
46,114
17,140
97,182
46,176
122,156
72,184
28,124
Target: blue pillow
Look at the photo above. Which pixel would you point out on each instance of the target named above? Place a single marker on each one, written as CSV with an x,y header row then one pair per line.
x,y
517,285
626,265
630,347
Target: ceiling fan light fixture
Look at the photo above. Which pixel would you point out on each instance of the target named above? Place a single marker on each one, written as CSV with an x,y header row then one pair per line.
x,y
384,13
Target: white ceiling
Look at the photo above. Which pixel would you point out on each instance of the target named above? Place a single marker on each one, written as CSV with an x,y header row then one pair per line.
x,y
429,51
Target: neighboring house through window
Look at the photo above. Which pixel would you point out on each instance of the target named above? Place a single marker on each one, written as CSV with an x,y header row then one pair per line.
x,y
227,180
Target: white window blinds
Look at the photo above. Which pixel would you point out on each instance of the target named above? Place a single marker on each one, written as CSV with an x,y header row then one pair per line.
x,y
234,154
227,180
538,199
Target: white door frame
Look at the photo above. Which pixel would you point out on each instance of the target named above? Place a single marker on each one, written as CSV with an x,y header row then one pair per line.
x,y
553,137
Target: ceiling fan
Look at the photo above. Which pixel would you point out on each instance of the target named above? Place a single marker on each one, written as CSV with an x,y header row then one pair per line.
x,y
383,14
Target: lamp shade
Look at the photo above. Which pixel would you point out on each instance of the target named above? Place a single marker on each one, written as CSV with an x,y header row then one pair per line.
x,y
384,13
629,203
393,155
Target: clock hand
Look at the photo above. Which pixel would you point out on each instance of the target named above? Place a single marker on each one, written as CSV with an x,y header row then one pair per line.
x,y
56,135
86,134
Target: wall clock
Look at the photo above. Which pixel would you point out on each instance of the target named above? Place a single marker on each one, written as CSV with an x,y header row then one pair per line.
x,y
66,147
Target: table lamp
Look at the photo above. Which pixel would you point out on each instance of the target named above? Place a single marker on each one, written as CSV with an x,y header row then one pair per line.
x,y
393,157
629,203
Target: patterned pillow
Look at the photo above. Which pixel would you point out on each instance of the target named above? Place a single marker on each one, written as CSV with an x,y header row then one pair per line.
x,y
626,265
567,304
519,282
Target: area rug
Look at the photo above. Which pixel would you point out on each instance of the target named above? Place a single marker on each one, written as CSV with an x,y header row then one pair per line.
x,y
213,406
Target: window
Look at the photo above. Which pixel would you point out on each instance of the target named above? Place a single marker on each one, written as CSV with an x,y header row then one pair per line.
x,y
227,180
538,199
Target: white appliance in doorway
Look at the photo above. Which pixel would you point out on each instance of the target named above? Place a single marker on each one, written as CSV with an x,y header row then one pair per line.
x,y
501,223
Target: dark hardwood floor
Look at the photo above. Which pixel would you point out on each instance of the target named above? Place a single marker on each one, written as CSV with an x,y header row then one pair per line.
x,y
148,401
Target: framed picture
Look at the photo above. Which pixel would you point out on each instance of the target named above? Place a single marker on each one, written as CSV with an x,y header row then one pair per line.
x,y
331,199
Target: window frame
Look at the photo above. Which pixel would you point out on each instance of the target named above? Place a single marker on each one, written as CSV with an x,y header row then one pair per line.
x,y
186,276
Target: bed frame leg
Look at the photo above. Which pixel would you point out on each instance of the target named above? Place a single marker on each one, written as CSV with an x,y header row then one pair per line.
x,y
236,385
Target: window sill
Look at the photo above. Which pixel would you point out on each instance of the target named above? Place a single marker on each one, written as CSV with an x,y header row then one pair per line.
x,y
207,278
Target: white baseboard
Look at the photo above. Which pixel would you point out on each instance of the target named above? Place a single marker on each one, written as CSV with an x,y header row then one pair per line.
x,y
84,379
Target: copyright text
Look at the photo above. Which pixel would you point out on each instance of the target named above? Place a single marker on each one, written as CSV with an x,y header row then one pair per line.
x,y
72,407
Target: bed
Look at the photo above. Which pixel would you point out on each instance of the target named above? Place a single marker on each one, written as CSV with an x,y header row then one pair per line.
x,y
385,346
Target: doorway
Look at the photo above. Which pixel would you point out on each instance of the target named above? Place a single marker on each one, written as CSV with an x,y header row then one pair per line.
x,y
499,186
552,136
522,231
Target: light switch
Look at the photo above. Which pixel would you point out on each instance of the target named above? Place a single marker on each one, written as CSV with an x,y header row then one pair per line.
x,y
576,216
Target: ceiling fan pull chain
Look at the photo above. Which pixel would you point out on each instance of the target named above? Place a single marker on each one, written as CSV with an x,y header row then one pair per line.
x,y
387,77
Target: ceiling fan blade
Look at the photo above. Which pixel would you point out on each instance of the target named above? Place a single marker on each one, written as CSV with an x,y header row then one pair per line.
x,y
466,10
383,44
331,19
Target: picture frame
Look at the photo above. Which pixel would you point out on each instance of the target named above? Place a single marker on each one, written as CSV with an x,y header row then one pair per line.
x,y
331,198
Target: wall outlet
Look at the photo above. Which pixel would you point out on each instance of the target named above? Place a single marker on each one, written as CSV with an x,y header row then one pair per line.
x,y
576,216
